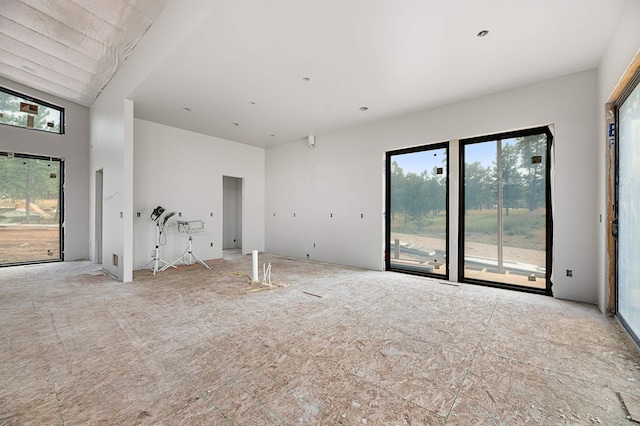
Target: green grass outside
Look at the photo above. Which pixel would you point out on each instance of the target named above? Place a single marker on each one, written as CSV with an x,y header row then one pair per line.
x,y
522,228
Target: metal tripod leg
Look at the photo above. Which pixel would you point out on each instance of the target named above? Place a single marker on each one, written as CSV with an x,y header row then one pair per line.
x,y
192,256
156,261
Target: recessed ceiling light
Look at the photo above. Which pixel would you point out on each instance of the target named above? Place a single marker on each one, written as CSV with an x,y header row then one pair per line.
x,y
236,124
186,109
306,79
363,108
483,33
272,135
252,103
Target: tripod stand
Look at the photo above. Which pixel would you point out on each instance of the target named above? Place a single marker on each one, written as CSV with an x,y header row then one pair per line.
x,y
189,228
158,263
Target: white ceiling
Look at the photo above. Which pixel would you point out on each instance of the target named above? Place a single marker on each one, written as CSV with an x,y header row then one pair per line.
x,y
245,61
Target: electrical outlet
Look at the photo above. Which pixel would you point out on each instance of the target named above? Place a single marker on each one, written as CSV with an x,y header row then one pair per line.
x,y
211,244
138,214
570,272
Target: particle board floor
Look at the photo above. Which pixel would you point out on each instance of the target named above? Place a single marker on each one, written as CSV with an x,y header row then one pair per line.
x,y
338,345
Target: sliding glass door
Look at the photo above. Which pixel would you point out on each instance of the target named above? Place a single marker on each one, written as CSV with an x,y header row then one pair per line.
x,y
417,201
628,209
505,210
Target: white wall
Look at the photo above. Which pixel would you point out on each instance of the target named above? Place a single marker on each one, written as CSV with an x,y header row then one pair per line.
x,y
183,171
621,49
343,175
73,147
112,142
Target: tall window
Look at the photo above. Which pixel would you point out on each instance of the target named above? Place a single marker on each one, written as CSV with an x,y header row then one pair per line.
x,y
628,208
505,214
417,201
23,111
31,209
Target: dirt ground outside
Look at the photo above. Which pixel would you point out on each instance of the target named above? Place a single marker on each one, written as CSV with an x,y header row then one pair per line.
x,y
29,243
521,255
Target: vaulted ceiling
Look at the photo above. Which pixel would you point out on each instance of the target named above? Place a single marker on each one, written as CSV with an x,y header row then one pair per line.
x,y
70,48
267,72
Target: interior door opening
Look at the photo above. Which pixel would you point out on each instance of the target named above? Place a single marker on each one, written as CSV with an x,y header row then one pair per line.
x,y
232,213
99,213
505,210
31,209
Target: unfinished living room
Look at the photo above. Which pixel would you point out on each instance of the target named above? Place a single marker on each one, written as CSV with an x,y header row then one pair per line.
x,y
321,212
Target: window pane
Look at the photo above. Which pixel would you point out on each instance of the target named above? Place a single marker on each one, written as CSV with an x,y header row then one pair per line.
x,y
505,211
30,211
418,216
19,111
628,263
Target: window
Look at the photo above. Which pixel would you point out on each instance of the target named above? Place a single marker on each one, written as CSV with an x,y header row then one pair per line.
x,y
23,111
628,207
417,218
31,209
505,215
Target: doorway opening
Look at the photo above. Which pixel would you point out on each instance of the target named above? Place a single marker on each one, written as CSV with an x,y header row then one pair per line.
x,y
31,209
505,210
232,200
99,213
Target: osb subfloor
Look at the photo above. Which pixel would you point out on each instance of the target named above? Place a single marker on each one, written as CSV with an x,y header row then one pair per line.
x,y
191,346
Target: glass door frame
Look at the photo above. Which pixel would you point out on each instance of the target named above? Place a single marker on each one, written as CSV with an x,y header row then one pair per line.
x,y
61,219
631,86
549,211
387,257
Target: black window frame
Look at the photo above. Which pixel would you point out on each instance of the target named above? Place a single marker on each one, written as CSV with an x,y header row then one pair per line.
x,y
389,154
548,290
628,90
39,102
60,206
